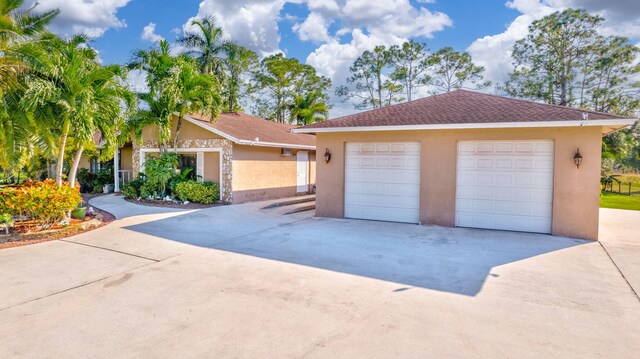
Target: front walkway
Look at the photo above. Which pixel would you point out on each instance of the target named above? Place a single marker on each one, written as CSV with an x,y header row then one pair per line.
x,y
239,281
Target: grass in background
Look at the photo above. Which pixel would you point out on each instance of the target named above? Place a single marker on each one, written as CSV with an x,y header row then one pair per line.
x,y
620,201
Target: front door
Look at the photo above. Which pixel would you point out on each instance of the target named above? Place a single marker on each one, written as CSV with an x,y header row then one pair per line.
x,y
302,171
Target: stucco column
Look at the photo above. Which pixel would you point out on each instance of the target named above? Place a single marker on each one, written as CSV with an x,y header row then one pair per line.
x,y
116,171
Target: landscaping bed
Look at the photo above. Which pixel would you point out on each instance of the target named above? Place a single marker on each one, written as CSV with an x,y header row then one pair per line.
x,y
171,204
24,233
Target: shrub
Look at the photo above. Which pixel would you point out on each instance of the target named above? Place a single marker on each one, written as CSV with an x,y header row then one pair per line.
x,y
199,192
131,189
148,190
159,170
5,218
182,176
42,201
86,180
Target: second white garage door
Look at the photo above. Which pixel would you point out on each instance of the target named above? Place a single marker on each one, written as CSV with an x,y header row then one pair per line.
x,y
382,181
505,185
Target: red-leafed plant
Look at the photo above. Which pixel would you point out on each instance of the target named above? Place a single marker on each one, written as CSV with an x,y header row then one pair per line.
x,y
40,201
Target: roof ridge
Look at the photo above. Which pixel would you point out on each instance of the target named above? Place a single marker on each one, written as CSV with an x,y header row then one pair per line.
x,y
541,103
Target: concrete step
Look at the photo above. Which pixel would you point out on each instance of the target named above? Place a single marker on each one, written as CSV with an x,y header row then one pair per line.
x,y
301,207
292,201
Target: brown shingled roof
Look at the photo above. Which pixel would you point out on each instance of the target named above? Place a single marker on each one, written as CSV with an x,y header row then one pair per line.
x,y
244,127
461,107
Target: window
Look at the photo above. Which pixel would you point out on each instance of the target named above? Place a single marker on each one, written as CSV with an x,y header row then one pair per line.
x,y
188,161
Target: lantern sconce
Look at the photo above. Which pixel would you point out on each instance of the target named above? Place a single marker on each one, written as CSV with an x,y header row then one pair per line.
x,y
577,158
327,156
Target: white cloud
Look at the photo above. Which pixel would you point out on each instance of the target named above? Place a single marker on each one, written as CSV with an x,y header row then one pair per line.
x,y
251,23
92,18
137,81
314,28
494,51
149,33
370,23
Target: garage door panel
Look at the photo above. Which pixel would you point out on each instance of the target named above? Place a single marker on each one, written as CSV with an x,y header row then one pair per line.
x,y
505,222
469,206
381,176
398,189
534,195
505,185
380,213
363,200
382,181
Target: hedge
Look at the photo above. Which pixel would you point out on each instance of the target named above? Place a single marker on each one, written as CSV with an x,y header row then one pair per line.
x,y
42,201
199,192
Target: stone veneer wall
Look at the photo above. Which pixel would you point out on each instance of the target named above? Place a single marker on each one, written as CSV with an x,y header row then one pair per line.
x,y
226,156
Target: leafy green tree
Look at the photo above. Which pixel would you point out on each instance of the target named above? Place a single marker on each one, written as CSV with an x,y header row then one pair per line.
x,y
308,109
17,26
189,91
20,137
207,46
368,84
606,86
550,60
155,109
410,63
453,70
239,62
176,87
278,80
75,97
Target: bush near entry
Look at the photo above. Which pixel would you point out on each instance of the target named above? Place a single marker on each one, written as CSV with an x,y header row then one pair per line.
x,y
199,192
131,189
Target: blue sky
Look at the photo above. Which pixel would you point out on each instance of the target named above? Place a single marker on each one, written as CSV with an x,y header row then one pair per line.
x,y
116,45
330,34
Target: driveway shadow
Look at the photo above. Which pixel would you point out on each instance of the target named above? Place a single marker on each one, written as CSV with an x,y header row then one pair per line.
x,y
455,260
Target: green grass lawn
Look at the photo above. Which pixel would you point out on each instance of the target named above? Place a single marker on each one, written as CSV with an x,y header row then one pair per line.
x,y
620,201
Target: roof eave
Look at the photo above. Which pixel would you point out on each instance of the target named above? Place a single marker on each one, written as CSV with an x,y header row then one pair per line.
x,y
461,126
245,142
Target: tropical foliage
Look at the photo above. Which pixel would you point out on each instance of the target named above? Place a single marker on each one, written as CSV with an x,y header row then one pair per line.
x,y
43,201
278,80
199,192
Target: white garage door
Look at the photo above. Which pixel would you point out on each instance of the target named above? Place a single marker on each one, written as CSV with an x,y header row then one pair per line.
x,y
382,181
505,185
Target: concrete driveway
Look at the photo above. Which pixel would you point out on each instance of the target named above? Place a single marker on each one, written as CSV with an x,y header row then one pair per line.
x,y
239,281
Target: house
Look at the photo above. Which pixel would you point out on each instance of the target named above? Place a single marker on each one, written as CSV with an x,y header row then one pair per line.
x,y
251,158
466,159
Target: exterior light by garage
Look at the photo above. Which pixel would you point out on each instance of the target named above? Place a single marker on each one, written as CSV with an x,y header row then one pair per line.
x,y
327,156
577,158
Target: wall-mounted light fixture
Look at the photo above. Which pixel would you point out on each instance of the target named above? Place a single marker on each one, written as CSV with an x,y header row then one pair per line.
x,y
327,155
577,158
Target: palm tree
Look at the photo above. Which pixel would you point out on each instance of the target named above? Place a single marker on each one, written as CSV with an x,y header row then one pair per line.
x,y
176,86
17,26
75,96
308,109
207,46
189,91
154,112
20,136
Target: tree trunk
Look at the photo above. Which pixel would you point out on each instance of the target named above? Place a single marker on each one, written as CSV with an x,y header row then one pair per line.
x,y
175,139
63,143
74,167
379,90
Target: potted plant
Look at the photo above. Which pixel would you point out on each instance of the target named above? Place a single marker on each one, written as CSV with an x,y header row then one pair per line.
x,y
6,222
79,212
